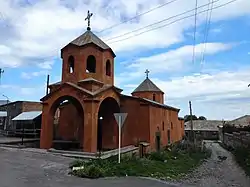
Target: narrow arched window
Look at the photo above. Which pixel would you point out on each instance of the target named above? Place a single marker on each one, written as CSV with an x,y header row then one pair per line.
x,y
153,97
91,64
71,62
108,68
163,126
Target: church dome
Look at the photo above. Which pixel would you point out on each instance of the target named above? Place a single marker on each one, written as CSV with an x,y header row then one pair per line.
x,y
147,86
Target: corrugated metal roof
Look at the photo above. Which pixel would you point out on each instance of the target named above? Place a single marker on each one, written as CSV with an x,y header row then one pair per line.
x,y
150,101
160,104
147,86
241,121
89,37
25,116
3,114
3,102
204,125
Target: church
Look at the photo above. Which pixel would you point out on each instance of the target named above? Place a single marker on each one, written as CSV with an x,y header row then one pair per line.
x,y
78,112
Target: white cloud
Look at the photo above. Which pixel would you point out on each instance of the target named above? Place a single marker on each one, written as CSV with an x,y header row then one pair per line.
x,y
216,30
41,29
170,61
33,35
217,95
24,92
222,85
25,75
46,64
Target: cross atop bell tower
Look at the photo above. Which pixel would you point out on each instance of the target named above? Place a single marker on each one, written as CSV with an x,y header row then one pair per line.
x,y
89,15
88,57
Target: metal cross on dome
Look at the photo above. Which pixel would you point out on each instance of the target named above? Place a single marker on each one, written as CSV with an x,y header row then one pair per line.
x,y
147,72
89,15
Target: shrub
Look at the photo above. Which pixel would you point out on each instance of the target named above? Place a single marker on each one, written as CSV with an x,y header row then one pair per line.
x,y
242,157
158,156
76,163
153,165
91,171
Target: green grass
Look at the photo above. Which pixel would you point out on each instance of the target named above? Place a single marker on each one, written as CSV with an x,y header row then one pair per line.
x,y
241,156
163,165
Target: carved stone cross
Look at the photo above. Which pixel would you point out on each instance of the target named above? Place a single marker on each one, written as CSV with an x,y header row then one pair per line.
x,y
89,15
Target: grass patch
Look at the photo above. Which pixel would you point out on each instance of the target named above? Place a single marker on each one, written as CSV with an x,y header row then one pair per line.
x,y
241,156
162,165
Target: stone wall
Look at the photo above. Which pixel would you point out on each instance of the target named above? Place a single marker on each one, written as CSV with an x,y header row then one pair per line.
x,y
236,139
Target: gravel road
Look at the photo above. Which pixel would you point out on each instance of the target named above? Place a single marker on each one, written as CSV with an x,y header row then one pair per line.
x,y
24,168
217,173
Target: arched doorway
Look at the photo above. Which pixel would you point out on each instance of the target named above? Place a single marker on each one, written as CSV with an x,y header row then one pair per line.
x,y
68,120
107,130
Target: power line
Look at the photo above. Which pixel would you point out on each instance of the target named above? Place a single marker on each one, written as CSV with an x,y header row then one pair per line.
x,y
206,33
206,25
222,5
166,19
139,15
195,23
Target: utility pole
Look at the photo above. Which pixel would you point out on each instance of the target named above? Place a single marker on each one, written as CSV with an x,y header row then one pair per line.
x,y
1,72
191,123
47,87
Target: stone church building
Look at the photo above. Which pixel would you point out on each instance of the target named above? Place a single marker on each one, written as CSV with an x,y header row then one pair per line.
x,y
80,108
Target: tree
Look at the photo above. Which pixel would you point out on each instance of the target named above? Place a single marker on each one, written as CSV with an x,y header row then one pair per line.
x,y
202,118
188,118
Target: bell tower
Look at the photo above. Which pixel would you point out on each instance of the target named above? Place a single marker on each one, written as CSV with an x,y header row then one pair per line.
x,y
148,90
88,57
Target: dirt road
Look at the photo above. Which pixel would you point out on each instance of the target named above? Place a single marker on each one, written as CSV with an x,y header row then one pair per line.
x,y
217,173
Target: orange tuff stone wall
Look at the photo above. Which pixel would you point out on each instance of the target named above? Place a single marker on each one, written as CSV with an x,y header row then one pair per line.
x,y
150,95
90,86
136,126
160,121
145,119
182,127
175,126
109,133
80,55
69,123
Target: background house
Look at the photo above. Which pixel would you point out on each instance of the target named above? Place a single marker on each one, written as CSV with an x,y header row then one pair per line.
x,y
204,129
3,102
3,116
241,121
239,125
13,109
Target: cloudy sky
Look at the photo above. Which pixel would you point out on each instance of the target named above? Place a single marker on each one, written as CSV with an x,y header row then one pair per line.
x,y
32,32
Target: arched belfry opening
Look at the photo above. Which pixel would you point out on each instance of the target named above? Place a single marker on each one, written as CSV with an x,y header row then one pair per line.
x,y
153,97
91,64
71,62
107,130
67,120
108,68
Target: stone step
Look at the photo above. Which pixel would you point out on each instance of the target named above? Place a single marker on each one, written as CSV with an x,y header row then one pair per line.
x,y
87,155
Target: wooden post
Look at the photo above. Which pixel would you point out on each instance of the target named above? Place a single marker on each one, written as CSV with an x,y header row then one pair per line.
x,y
1,72
191,123
47,87
22,131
